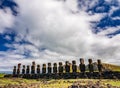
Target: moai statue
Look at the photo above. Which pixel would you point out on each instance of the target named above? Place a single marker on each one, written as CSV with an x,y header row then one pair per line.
x,y
60,68
55,68
74,66
14,70
67,67
100,66
28,69
33,68
82,65
18,69
49,68
44,69
23,69
90,66
38,69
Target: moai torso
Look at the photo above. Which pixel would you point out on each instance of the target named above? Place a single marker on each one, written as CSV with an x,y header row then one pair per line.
x,y
90,66
23,70
38,69
33,68
49,68
18,70
82,65
60,68
14,70
28,69
67,67
44,69
100,66
74,67
55,68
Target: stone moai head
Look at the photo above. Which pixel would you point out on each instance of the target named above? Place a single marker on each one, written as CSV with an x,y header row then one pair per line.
x,y
38,69
74,66
90,61
67,63
99,61
33,68
23,70
14,67
38,66
67,67
54,67
55,64
23,66
18,70
60,67
14,70
44,65
27,69
74,62
49,68
19,65
81,61
44,68
33,63
49,64
60,64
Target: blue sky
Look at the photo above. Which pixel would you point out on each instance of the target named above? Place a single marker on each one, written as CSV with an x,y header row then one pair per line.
x,y
58,30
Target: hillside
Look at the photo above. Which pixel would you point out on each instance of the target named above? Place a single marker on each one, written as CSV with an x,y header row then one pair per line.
x,y
111,67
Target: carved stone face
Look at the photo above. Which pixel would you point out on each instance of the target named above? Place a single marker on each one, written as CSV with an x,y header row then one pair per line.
x,y
90,61
19,65
67,62
28,66
49,64
81,61
60,63
44,65
33,63
55,64
38,66
73,62
99,61
23,66
14,67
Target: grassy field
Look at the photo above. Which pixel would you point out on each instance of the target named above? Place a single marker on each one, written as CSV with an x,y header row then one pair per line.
x,y
1,75
40,83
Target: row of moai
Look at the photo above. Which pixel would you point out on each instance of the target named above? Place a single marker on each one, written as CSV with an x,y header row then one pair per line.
x,y
61,71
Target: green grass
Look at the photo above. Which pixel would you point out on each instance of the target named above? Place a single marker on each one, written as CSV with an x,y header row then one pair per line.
x,y
53,83
1,75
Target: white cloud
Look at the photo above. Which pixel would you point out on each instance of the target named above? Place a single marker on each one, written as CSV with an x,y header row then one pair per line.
x,y
6,19
109,30
64,30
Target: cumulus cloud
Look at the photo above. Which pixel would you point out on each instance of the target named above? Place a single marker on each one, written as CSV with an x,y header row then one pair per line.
x,y
59,30
6,19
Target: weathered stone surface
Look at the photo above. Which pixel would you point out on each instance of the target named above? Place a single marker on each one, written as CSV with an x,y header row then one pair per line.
x,y
38,69
55,68
90,66
14,70
44,69
60,68
49,68
23,69
67,67
74,66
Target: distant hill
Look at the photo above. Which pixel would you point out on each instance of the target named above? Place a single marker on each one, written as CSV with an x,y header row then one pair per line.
x,y
108,67
111,67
